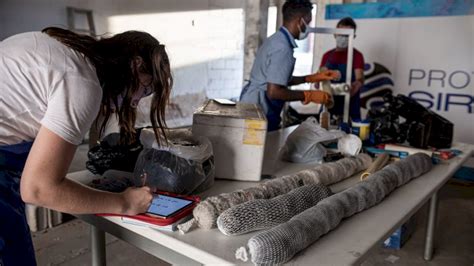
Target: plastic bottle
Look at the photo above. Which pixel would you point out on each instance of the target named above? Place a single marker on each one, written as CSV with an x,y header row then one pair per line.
x,y
324,118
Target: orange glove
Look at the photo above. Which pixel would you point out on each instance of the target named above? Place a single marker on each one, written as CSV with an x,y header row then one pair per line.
x,y
323,75
317,97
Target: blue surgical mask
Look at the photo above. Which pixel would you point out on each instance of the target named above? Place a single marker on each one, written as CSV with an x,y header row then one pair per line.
x,y
303,34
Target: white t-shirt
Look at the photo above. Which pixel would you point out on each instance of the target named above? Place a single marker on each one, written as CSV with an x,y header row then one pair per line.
x,y
43,82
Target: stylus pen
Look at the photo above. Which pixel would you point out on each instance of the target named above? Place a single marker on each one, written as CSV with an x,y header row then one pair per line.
x,y
144,175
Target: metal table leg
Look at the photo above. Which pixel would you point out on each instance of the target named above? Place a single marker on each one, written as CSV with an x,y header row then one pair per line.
x,y
430,228
97,246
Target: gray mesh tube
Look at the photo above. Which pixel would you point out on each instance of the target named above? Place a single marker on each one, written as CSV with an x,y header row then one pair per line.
x,y
207,211
265,213
281,243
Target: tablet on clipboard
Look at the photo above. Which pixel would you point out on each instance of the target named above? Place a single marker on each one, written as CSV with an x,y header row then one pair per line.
x,y
165,206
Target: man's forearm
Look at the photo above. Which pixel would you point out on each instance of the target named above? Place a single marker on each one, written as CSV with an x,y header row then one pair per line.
x,y
285,94
296,80
356,86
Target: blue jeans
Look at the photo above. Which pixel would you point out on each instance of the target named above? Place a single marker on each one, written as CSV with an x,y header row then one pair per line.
x,y
16,246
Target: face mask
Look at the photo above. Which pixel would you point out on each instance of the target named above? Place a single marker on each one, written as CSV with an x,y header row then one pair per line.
x,y
342,41
137,96
303,34
140,94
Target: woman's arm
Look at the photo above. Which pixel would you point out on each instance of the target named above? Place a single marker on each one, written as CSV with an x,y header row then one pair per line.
x,y
43,183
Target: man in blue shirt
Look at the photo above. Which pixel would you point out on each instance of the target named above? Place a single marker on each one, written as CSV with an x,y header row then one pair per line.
x,y
272,70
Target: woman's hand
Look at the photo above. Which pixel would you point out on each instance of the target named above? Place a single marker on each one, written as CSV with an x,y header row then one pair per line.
x,y
136,200
43,183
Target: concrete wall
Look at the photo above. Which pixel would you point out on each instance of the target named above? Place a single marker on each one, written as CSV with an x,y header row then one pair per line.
x,y
204,38
208,41
256,18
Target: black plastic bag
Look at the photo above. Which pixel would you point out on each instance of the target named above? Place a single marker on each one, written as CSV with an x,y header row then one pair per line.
x,y
184,166
110,155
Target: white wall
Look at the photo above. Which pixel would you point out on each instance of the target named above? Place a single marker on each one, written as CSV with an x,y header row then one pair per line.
x,y
441,46
204,38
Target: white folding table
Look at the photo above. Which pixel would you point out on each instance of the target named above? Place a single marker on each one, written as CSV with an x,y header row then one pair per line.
x,y
348,244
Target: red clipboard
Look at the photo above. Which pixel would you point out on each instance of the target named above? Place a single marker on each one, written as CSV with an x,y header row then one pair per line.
x,y
163,221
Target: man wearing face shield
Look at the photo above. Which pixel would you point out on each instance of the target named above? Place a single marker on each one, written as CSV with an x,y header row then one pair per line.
x,y
336,59
272,70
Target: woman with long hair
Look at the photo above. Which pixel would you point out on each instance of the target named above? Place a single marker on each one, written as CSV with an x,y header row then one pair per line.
x,y
53,85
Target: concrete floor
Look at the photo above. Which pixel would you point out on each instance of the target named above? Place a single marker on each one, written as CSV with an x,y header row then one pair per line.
x,y
68,244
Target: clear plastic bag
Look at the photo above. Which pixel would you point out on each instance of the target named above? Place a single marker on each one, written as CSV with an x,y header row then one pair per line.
x,y
184,166
303,145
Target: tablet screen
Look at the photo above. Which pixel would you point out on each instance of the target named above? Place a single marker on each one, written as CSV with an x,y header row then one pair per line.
x,y
165,206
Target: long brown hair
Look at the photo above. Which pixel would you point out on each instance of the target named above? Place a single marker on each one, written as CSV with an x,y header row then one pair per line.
x,y
113,58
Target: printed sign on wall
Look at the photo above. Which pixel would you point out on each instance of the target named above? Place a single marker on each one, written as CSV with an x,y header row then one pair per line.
x,y
423,49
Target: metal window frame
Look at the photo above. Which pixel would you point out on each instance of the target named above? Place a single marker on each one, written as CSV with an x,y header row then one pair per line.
x,y
72,12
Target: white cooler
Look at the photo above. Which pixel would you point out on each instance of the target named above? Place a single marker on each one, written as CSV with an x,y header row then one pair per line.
x,y
237,133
